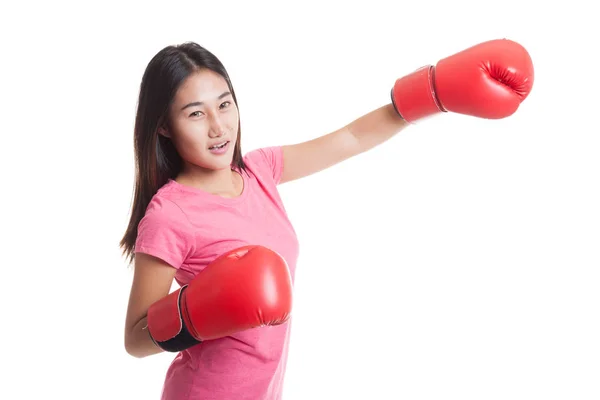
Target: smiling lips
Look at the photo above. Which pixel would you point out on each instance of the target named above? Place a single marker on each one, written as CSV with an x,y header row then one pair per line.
x,y
219,148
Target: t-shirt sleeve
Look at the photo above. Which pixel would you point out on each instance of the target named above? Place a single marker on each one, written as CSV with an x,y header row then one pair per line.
x,y
165,232
268,160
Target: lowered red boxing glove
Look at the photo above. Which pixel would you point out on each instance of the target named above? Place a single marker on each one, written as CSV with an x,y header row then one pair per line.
x,y
489,80
244,288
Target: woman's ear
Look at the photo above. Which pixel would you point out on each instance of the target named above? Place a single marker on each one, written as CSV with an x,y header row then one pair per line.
x,y
164,131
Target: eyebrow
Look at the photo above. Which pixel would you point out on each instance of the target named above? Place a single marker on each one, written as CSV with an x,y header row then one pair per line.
x,y
199,103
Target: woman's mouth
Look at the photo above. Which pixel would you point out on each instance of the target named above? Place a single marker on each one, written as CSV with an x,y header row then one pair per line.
x,y
219,148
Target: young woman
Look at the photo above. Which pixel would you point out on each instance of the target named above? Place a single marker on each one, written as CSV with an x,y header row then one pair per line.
x,y
211,218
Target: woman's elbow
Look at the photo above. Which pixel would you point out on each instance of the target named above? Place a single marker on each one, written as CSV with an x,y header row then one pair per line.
x,y
139,344
132,348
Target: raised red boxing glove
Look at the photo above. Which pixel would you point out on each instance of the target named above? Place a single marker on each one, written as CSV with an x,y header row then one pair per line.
x,y
489,80
242,289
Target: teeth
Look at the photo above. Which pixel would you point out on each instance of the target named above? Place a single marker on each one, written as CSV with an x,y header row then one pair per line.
x,y
218,146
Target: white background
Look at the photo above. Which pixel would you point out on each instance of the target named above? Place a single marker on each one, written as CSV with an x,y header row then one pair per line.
x,y
458,260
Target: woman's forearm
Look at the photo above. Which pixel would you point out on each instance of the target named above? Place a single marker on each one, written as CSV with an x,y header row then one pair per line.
x,y
376,127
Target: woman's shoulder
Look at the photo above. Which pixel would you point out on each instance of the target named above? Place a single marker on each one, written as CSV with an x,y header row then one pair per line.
x,y
261,155
265,162
164,204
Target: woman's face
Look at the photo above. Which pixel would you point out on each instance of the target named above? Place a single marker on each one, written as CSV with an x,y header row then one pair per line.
x,y
204,121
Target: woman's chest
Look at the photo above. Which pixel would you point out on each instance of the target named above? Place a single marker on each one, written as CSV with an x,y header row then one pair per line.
x,y
223,230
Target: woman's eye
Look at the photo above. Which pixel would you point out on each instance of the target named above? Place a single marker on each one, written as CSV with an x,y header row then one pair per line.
x,y
196,114
225,104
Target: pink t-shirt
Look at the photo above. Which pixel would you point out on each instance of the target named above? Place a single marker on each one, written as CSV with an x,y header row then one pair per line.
x,y
188,228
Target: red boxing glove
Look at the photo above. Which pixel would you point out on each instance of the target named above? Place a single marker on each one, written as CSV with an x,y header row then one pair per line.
x,y
489,80
245,288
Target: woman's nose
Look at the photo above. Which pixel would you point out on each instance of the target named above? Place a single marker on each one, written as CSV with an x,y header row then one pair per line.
x,y
217,128
216,133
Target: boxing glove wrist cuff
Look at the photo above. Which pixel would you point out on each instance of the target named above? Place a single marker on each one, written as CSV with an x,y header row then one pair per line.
x,y
414,96
166,325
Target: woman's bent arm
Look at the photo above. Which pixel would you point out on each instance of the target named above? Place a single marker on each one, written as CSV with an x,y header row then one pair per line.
x,y
152,280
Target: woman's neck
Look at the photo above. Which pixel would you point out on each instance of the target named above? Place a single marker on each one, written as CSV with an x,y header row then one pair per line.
x,y
224,182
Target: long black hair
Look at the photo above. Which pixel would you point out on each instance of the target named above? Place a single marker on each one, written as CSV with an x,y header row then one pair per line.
x,y
156,159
